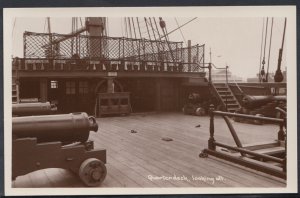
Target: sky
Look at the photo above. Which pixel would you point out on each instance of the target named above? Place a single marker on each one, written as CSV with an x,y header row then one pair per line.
x,y
235,41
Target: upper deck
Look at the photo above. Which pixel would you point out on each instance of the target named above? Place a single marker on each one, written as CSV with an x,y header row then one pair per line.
x,y
56,55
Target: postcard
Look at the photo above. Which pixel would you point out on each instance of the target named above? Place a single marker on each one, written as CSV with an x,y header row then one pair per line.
x,y
150,100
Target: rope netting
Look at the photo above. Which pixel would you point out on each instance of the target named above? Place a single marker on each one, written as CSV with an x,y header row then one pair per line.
x,y
58,46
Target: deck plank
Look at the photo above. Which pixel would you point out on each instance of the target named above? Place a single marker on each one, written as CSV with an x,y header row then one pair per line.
x,y
182,159
133,157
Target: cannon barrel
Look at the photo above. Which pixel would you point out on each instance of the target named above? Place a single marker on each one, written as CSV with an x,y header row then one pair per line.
x,y
66,128
29,100
256,101
37,108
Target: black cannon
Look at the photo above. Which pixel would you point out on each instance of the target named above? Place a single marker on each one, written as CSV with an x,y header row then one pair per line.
x,y
194,105
66,128
34,108
257,101
57,141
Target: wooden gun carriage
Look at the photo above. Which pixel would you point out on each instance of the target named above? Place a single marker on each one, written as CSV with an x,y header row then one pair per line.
x,y
57,141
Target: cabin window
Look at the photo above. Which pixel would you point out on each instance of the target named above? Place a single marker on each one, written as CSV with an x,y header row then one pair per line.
x,y
70,87
83,87
54,84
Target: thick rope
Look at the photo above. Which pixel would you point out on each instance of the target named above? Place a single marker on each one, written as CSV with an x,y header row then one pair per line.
x,y
269,50
159,37
133,28
149,34
138,23
158,50
265,44
261,49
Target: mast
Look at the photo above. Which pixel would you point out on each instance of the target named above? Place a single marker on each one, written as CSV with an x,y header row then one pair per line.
x,y
95,27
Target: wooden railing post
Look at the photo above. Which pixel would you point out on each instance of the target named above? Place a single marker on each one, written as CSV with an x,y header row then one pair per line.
x,y
281,133
211,141
282,113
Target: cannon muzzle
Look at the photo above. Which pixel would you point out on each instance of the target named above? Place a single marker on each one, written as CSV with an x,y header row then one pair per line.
x,y
66,128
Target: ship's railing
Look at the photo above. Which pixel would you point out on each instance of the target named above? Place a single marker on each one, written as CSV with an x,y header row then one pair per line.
x,y
59,46
38,64
243,150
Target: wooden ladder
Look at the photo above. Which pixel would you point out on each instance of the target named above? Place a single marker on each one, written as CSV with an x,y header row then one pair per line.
x,y
225,96
15,85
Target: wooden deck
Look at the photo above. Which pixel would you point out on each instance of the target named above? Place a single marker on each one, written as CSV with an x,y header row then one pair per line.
x,y
142,159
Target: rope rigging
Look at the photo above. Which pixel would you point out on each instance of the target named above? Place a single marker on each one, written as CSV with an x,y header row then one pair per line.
x,y
278,74
133,28
130,31
178,27
158,50
261,49
143,41
180,31
266,80
149,34
264,75
149,29
126,29
162,24
162,56
138,23
262,72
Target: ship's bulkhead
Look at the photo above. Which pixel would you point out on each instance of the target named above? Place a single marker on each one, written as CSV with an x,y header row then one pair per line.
x,y
80,94
29,88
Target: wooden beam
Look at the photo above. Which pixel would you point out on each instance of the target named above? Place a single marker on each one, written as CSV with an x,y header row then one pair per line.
x,y
158,95
92,73
44,89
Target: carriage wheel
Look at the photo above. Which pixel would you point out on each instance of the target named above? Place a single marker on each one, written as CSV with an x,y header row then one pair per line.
x,y
92,172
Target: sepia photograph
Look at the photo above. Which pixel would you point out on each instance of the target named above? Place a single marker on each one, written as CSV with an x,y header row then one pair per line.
x,y
150,100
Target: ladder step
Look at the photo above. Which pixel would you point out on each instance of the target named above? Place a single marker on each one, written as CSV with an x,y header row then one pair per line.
x,y
232,109
224,91
219,84
227,96
231,102
233,105
221,88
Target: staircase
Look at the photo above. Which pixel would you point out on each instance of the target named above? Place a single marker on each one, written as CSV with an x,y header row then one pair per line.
x,y
15,86
224,94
